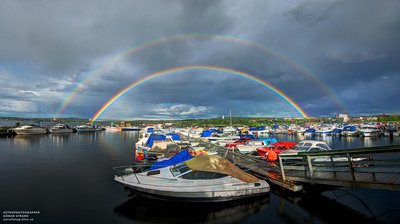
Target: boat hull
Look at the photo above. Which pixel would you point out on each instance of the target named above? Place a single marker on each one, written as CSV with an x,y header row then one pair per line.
x,y
60,131
30,132
199,195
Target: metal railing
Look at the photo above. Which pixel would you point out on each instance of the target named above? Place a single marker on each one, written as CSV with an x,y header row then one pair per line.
x,y
373,167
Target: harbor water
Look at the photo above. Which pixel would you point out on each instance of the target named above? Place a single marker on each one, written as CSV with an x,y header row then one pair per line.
x,y
69,179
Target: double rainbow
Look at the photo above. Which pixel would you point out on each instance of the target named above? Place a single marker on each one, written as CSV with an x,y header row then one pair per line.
x,y
140,48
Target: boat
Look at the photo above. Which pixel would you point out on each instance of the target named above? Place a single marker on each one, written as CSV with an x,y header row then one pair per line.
x,y
88,128
240,141
156,146
350,130
309,132
60,128
204,178
130,129
369,130
317,146
270,152
250,146
113,128
30,130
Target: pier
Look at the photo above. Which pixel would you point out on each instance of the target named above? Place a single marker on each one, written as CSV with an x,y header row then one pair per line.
x,y
369,167
7,130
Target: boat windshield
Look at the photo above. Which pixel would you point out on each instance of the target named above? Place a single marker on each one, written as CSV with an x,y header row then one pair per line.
x,y
202,175
179,169
302,146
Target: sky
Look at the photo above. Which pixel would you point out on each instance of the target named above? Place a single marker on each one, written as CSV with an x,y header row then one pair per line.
x,y
68,58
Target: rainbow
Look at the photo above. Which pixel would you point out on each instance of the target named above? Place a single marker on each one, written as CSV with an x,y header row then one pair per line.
x,y
169,71
132,51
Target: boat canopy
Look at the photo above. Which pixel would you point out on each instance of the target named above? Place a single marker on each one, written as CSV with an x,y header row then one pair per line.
x,y
154,137
150,130
268,141
261,128
350,128
275,126
216,164
174,136
178,158
251,137
252,128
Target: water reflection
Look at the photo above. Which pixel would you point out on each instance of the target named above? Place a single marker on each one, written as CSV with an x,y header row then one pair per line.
x,y
146,210
60,139
27,141
314,207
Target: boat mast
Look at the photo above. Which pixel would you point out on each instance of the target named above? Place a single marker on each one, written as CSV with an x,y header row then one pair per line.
x,y
230,117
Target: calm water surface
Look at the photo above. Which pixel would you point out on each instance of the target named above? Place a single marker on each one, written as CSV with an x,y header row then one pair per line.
x,y
68,178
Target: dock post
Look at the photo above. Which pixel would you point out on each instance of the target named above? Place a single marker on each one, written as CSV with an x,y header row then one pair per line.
x,y
310,169
282,169
353,176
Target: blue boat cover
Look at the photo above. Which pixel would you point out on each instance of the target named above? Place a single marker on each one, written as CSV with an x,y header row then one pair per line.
x,y
174,136
275,126
150,130
261,128
153,137
252,128
349,128
268,140
206,133
178,158
312,130
247,136
337,130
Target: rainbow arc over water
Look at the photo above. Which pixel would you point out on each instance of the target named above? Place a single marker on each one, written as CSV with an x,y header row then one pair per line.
x,y
175,70
185,37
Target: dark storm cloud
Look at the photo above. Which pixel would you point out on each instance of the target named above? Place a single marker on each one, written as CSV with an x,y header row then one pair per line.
x,y
49,48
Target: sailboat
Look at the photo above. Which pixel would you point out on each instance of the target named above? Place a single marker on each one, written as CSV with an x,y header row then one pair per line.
x,y
230,128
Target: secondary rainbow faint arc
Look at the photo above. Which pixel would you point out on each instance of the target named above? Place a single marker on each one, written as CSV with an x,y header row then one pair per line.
x,y
197,67
79,88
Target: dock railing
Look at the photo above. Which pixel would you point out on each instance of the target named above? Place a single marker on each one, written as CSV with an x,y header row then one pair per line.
x,y
373,167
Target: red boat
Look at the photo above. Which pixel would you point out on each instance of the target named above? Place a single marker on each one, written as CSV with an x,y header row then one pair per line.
x,y
271,151
241,141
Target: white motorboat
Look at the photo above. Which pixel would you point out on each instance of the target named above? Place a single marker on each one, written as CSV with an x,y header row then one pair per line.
x,y
350,130
369,131
29,130
87,128
250,146
204,178
60,128
316,146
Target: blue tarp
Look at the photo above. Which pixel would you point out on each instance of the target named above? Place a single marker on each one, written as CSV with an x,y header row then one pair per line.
x,y
261,128
174,136
206,133
349,128
337,130
150,130
153,137
178,158
275,126
312,130
247,136
252,128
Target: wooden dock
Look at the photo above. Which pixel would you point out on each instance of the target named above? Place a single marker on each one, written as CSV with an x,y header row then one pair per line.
x,y
371,167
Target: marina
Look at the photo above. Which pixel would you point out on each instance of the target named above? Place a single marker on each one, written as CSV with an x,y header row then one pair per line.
x,y
111,149
206,112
